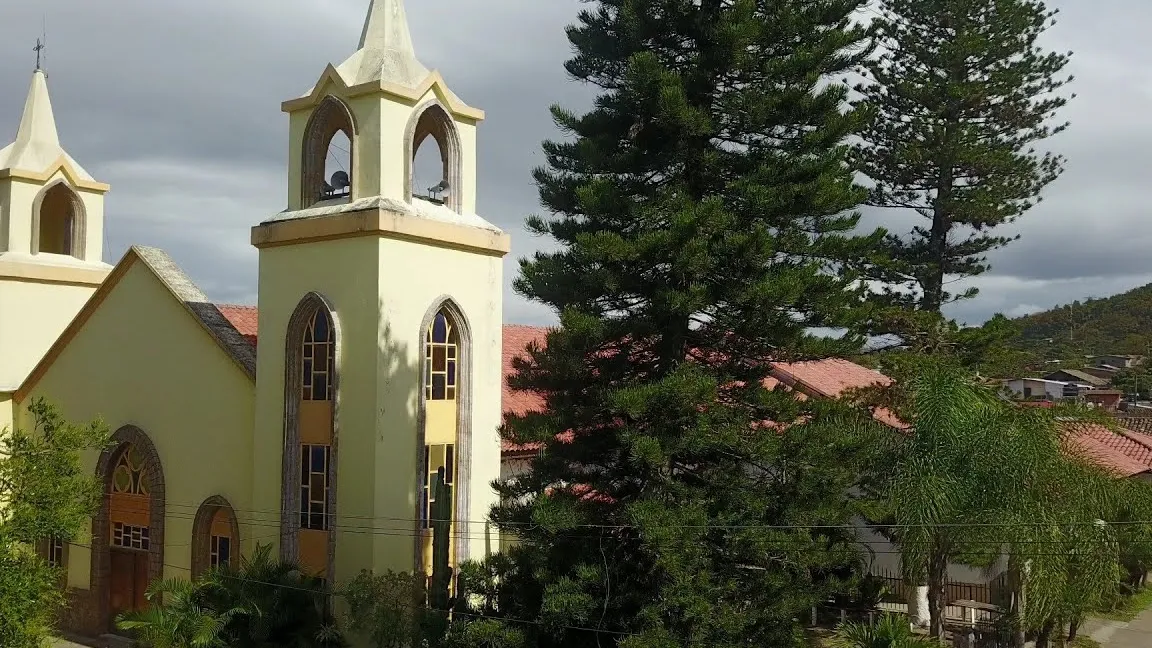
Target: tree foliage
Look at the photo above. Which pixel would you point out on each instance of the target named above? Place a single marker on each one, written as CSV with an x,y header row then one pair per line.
x,y
44,492
703,211
979,479
258,602
959,95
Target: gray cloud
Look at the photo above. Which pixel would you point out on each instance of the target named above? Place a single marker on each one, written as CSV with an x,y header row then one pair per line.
x,y
177,106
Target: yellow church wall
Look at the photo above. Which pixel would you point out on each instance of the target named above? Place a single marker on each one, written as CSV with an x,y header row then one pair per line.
x,y
381,290
45,310
342,271
414,278
142,359
6,406
21,197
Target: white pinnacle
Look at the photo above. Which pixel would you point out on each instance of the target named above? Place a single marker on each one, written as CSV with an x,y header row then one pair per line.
x,y
37,146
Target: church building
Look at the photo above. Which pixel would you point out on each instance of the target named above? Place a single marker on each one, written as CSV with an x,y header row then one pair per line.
x,y
379,358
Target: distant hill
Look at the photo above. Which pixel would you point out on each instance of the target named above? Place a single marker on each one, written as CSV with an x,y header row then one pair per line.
x,y
1117,324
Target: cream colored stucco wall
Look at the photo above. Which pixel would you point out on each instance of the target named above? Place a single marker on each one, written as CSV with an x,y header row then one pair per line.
x,y
6,407
343,271
381,290
143,359
413,279
32,315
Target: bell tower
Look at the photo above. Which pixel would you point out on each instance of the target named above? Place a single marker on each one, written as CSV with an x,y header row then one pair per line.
x,y
387,104
51,235
379,361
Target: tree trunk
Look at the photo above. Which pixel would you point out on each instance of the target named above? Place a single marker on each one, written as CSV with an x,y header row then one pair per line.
x,y
1016,578
937,593
1073,628
1044,637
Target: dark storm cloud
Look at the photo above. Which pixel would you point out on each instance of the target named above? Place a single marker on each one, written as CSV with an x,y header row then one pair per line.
x,y
176,104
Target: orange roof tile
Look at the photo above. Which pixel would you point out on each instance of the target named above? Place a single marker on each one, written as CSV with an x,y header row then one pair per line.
x,y
1120,451
828,378
242,318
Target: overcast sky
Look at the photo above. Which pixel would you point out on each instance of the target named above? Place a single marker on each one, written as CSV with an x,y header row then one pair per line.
x,y
176,105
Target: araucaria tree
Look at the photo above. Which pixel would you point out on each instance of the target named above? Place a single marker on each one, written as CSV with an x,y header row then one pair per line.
x,y
704,212
959,94
44,493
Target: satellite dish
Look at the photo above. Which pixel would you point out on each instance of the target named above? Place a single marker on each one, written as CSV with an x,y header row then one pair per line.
x,y
340,181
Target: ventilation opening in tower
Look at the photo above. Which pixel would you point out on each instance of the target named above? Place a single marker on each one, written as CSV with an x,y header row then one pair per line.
x,y
429,172
59,221
338,167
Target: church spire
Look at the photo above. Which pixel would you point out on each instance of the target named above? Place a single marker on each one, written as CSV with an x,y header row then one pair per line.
x,y
386,27
38,125
37,143
385,52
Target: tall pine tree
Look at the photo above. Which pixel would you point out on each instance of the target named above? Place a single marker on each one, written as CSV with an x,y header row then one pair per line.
x,y
703,209
960,94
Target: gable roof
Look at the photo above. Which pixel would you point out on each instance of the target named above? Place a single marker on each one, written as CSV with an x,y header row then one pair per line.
x,y
1081,376
219,327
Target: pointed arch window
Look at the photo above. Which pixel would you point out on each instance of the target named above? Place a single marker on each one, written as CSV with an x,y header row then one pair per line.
x,y
324,151
432,121
441,359
318,358
59,222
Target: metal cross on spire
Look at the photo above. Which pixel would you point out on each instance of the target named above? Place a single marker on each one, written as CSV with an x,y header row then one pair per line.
x,y
38,49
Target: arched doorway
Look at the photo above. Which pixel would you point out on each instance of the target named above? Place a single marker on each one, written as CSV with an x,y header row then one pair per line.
x,y
128,531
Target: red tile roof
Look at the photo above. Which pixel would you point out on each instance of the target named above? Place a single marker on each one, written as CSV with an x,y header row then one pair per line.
x,y
516,341
828,378
1119,451
242,318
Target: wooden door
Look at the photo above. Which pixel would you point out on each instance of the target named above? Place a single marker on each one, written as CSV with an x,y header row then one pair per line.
x,y
129,581
122,585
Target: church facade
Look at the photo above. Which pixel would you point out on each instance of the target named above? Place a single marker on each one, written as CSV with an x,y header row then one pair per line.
x,y
315,424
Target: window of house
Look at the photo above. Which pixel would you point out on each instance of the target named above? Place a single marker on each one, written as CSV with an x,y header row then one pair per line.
x,y
314,487
319,360
441,360
129,536
55,552
1027,392
220,551
435,458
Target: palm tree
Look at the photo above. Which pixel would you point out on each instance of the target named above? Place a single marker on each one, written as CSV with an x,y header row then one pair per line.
x,y
889,631
261,602
980,479
177,617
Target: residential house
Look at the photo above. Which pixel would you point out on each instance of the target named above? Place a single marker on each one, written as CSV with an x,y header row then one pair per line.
x,y
1078,377
1115,361
1039,389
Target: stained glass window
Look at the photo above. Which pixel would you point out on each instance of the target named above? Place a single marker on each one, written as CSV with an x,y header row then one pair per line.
x,y
314,487
435,458
129,536
441,359
318,358
128,476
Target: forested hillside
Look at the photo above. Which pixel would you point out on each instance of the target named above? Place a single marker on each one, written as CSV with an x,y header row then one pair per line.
x,y
1117,324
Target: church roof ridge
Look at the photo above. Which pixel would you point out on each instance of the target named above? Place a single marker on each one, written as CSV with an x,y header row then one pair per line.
x,y
37,146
